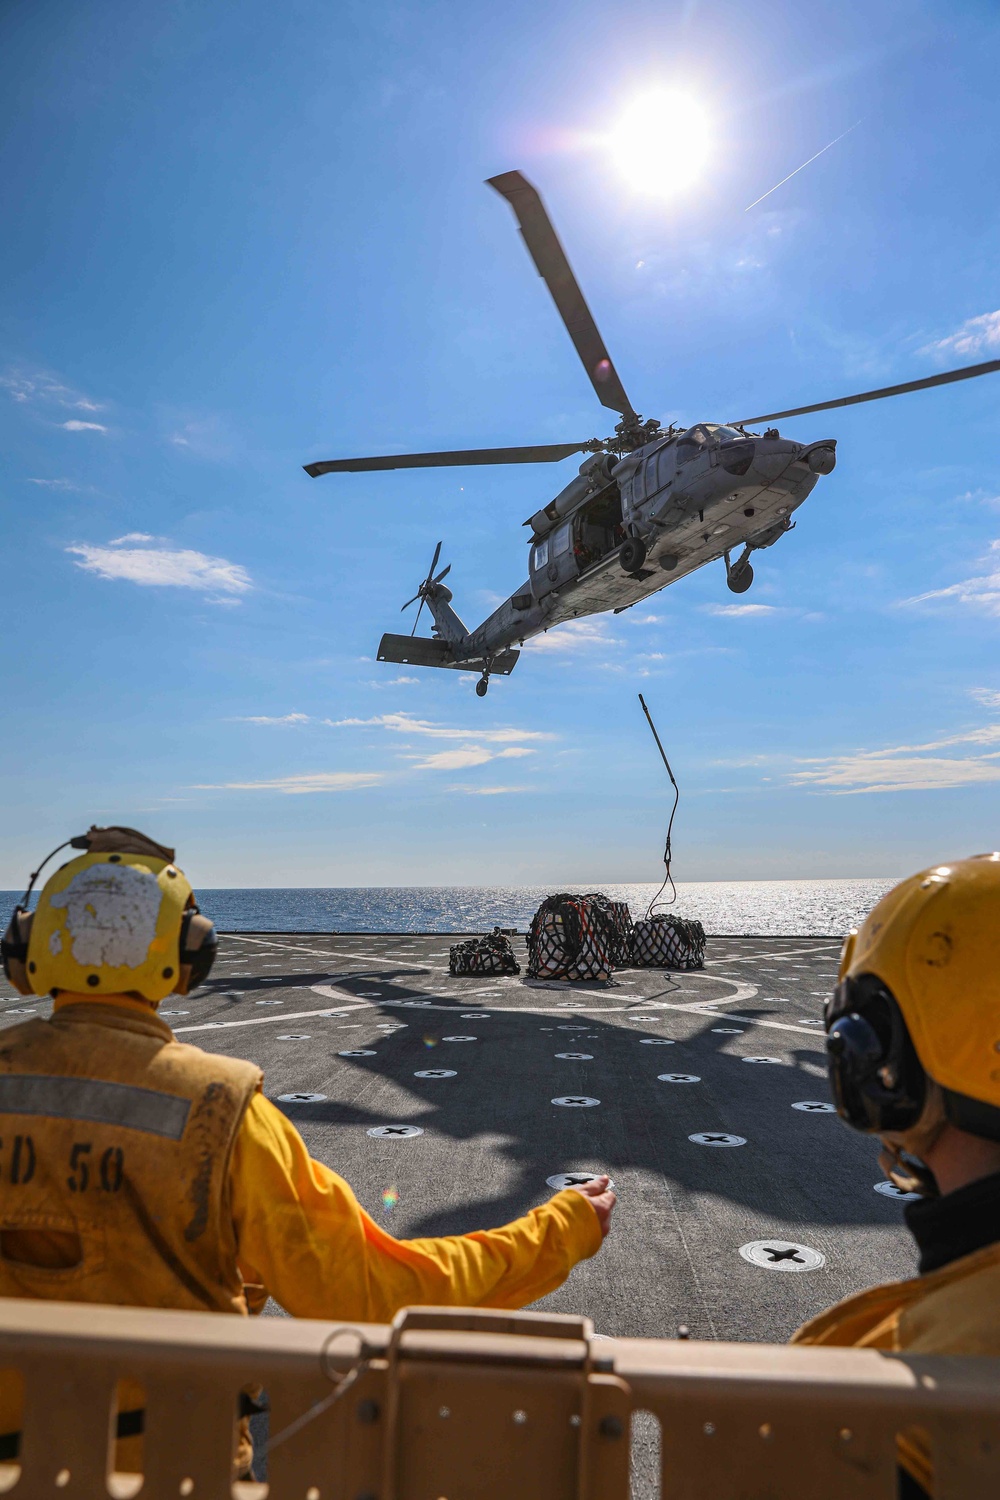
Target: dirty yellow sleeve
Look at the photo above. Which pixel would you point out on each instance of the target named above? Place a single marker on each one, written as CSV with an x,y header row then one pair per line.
x,y
303,1234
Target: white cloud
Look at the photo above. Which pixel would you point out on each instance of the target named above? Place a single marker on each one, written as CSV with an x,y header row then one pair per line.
x,y
988,697
77,426
981,592
488,791
315,781
404,723
904,768
979,335
131,536
36,387
281,719
165,567
63,484
740,611
455,760
573,635
401,681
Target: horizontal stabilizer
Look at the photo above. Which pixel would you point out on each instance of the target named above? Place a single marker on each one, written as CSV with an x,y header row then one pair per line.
x,y
421,651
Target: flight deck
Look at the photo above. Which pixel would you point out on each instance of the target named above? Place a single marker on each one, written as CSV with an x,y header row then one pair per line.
x,y
745,1205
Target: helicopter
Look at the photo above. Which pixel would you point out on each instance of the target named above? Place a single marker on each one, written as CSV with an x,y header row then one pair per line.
x,y
648,506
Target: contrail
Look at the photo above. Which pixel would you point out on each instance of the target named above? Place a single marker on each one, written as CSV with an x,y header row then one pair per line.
x,y
805,164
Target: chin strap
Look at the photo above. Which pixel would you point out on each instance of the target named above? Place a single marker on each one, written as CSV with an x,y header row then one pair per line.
x,y
907,1172
903,1152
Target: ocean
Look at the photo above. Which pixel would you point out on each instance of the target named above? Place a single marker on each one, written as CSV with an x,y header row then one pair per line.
x,y
771,908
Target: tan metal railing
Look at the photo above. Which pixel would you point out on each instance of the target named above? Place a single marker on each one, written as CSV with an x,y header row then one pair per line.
x,y
475,1405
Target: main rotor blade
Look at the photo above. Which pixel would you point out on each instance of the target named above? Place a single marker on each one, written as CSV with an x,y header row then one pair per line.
x,y
538,453
554,269
968,372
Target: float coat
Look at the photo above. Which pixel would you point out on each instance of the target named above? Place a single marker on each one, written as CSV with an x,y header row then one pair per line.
x,y
219,1202
954,1310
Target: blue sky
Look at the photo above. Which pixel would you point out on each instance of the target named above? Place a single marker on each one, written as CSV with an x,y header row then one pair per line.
x,y
240,236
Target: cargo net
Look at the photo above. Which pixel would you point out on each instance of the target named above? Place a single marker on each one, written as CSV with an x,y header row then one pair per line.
x,y
491,954
668,942
578,937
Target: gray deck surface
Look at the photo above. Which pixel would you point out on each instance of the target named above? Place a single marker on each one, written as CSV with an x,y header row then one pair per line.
x,y
491,1134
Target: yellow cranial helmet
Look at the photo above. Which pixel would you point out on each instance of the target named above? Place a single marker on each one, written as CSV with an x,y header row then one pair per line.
x,y
107,924
928,953
119,919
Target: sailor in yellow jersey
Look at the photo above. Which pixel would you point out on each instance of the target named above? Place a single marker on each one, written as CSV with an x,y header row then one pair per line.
x,y
144,1172
913,1042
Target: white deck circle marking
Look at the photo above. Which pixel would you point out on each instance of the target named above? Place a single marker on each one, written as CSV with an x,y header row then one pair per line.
x,y
460,1039
262,1002
641,1018
475,1015
354,1051
726,1031
815,1107
161,1013
574,1179
436,1073
576,1056
575,1101
782,1255
395,1132
301,1098
717,1138
294,1036
890,1190
678,1077
655,1041
762,1059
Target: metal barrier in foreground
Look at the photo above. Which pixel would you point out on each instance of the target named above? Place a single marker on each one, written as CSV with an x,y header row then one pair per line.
x,y
471,1405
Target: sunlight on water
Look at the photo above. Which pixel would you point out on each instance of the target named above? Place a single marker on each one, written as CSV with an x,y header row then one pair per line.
x,y
765,907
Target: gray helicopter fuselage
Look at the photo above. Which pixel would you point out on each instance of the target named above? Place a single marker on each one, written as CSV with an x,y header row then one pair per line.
x,y
690,499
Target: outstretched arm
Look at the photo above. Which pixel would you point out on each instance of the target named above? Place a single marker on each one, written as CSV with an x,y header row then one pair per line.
x,y
300,1229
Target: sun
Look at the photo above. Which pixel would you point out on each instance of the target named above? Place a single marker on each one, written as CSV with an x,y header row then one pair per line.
x,y
661,142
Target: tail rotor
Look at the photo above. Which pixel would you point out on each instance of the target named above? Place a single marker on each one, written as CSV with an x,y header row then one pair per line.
x,y
426,588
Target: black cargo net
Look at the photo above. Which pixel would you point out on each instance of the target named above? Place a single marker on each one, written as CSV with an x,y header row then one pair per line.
x,y
668,942
578,937
491,954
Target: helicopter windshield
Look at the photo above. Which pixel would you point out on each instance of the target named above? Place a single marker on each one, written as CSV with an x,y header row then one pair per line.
x,y
705,435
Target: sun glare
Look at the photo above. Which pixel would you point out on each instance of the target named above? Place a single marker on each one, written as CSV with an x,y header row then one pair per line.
x,y
661,142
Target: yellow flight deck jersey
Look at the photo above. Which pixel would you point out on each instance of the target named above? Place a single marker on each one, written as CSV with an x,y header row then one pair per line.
x,y
951,1310
141,1171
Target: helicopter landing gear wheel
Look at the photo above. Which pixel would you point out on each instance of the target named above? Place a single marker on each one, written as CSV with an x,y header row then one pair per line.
x,y
483,686
632,554
740,578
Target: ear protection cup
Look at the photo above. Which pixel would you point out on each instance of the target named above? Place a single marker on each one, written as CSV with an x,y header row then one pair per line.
x,y
14,949
199,943
877,1079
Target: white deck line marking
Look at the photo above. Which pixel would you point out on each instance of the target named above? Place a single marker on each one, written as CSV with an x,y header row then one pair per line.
x,y
769,957
286,1015
367,958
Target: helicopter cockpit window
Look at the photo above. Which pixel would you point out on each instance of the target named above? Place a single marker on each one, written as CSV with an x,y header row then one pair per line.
x,y
725,434
561,540
691,443
540,555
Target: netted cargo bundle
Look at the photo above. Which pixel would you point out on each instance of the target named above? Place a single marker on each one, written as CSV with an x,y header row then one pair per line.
x,y
572,937
668,942
621,922
491,954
